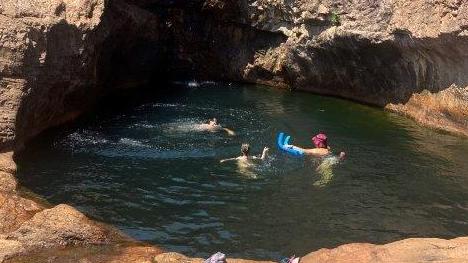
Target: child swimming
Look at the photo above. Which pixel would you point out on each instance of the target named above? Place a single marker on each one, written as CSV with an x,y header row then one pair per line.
x,y
246,158
214,126
245,164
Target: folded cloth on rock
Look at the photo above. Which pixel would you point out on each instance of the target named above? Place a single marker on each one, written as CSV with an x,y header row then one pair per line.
x,y
217,257
292,259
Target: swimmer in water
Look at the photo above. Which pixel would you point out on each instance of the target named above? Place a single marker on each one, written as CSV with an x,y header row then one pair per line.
x,y
325,170
246,158
245,164
321,147
214,126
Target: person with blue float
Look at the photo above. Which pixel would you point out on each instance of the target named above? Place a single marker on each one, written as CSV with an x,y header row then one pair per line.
x,y
320,142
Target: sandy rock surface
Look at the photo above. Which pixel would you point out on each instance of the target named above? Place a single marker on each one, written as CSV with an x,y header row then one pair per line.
x,y
14,210
131,253
408,250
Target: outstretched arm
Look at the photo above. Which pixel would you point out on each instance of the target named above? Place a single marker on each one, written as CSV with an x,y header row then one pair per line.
x,y
229,131
229,159
264,153
296,147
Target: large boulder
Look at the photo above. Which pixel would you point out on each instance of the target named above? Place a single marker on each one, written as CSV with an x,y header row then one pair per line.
x,y
61,225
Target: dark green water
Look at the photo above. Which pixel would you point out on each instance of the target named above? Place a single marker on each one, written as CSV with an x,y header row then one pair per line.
x,y
146,171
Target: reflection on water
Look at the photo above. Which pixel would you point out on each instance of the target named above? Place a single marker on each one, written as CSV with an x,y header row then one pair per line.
x,y
151,173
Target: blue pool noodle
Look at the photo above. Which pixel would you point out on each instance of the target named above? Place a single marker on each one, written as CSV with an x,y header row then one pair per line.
x,y
281,141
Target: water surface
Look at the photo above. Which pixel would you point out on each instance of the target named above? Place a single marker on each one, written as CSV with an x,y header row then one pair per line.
x,y
146,170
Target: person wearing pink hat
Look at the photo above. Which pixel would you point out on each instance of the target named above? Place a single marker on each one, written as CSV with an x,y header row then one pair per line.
x,y
321,147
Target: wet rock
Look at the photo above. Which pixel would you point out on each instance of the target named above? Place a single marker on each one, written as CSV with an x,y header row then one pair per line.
x,y
444,110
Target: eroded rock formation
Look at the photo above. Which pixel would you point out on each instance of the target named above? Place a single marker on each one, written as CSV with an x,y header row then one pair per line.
x,y
58,57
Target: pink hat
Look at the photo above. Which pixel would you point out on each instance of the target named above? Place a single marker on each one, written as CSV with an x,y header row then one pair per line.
x,y
320,140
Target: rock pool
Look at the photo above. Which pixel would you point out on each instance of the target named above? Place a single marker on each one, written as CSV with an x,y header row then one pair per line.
x,y
147,171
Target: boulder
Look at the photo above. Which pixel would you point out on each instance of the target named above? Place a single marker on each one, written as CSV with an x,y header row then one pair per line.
x,y
59,226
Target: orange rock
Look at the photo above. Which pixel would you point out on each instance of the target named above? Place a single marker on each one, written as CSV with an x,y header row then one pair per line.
x,y
407,250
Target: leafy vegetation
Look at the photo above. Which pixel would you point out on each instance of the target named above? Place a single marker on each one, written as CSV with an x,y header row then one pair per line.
x,y
335,19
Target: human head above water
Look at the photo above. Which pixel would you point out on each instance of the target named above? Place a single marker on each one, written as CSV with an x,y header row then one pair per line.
x,y
213,121
245,149
320,140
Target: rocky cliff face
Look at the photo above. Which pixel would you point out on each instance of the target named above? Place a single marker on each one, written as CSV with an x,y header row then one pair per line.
x,y
58,57
408,56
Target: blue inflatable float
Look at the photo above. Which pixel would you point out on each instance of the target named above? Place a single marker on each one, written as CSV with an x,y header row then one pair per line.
x,y
282,141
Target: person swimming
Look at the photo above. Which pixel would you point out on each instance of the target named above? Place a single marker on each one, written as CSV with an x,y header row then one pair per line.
x,y
245,162
214,126
246,157
321,147
325,170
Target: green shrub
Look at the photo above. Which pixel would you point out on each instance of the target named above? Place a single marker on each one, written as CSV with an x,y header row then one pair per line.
x,y
335,19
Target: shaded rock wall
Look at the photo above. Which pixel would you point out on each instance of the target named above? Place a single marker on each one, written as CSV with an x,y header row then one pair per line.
x,y
43,46
382,53
401,55
57,57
